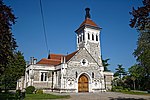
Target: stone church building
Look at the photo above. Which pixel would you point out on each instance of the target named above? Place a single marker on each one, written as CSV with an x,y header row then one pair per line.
x,y
80,71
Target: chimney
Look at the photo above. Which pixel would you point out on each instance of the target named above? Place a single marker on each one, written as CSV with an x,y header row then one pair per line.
x,y
61,59
31,60
34,61
64,60
87,13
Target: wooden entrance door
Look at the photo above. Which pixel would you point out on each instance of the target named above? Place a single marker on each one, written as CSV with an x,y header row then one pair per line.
x,y
83,84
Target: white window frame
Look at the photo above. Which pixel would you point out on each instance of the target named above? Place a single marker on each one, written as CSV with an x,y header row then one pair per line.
x,y
43,76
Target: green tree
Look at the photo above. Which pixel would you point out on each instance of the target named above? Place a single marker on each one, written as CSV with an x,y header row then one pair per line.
x,y
136,74
141,21
142,53
119,71
15,69
7,42
128,83
141,17
12,63
105,64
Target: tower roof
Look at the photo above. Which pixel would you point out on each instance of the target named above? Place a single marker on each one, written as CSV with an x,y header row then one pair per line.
x,y
88,22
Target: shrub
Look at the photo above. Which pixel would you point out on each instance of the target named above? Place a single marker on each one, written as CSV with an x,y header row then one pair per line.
x,y
18,94
119,87
30,89
39,91
125,90
129,89
113,89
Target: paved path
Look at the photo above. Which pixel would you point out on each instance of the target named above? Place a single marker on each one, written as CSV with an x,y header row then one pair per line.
x,y
105,96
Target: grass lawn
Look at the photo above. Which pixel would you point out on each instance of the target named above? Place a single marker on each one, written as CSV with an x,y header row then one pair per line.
x,y
44,96
10,96
135,93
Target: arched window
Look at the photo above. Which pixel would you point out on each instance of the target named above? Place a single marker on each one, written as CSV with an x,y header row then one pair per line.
x,y
80,38
92,37
88,36
76,74
83,36
92,75
96,37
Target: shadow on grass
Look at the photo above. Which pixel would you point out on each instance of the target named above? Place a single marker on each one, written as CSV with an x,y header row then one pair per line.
x,y
120,98
7,96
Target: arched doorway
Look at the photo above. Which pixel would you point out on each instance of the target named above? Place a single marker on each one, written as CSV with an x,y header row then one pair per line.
x,y
83,84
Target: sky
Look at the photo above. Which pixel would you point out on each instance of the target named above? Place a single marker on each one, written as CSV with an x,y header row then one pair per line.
x,y
63,17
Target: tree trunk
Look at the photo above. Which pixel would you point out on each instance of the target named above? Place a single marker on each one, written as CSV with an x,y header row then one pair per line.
x,y
134,84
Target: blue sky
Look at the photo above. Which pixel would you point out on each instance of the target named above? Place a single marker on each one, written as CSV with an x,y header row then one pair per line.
x,y
63,17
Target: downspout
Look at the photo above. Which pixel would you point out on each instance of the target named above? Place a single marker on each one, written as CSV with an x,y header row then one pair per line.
x,y
52,80
105,81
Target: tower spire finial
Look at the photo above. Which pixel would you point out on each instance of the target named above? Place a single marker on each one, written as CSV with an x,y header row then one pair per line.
x,y
87,13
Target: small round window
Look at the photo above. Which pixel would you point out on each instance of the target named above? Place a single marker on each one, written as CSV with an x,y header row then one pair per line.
x,y
84,62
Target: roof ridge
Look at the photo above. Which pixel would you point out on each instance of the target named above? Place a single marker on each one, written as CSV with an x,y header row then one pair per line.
x,y
48,59
69,56
88,21
56,54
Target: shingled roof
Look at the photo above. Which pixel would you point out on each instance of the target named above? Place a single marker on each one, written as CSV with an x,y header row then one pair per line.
x,y
88,21
55,56
68,57
55,59
46,61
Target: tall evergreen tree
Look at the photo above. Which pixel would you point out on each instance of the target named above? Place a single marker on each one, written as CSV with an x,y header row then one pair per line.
x,y
12,64
7,41
141,21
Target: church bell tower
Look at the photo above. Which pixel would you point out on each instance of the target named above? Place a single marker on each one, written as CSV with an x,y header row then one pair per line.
x,y
88,36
